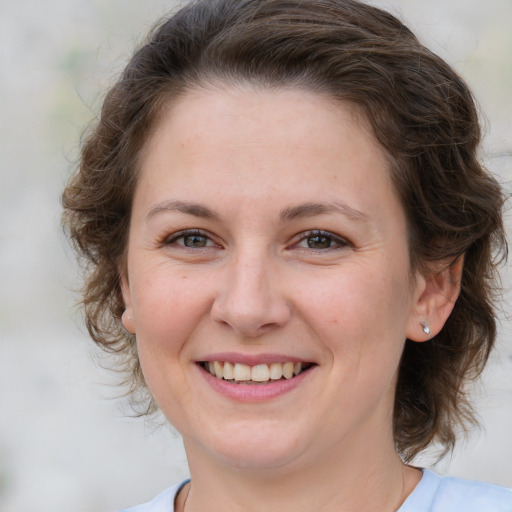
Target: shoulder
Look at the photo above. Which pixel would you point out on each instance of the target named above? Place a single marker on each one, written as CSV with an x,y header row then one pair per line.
x,y
164,502
435,493
477,496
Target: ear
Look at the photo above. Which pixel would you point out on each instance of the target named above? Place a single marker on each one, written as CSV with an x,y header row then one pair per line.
x,y
127,316
434,298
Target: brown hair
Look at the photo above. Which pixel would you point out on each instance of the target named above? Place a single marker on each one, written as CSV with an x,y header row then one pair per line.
x,y
420,111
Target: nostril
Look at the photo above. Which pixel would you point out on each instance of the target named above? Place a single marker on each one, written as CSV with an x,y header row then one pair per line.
x,y
251,318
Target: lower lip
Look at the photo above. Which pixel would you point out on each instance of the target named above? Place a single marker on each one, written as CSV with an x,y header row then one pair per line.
x,y
254,392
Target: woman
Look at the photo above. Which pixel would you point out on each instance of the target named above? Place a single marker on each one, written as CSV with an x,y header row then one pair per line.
x,y
293,245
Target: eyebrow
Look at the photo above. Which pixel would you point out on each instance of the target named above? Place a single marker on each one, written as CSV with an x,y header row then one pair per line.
x,y
312,209
295,212
190,208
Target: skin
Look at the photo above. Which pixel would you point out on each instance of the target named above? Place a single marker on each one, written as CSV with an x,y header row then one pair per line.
x,y
238,166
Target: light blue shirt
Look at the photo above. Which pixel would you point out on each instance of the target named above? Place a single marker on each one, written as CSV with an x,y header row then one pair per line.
x,y
437,493
434,493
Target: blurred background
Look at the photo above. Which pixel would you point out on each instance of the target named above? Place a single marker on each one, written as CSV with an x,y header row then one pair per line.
x,y
67,441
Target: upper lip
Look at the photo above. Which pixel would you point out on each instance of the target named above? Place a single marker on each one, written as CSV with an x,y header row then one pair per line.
x,y
253,359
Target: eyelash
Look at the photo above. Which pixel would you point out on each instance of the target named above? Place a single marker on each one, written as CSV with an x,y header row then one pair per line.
x,y
189,233
325,236
338,241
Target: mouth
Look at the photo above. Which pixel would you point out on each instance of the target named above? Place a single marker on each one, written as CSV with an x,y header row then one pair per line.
x,y
239,373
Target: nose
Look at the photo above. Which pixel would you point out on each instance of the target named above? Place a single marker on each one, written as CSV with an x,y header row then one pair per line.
x,y
251,300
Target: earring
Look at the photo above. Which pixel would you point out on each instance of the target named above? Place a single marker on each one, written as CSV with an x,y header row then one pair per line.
x,y
425,327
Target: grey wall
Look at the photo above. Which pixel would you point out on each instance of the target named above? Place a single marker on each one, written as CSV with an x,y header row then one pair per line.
x,y
65,442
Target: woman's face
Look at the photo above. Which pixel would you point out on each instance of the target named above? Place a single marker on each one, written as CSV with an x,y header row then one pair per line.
x,y
265,233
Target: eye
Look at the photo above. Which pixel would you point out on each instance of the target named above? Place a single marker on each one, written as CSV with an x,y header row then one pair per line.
x,y
192,239
321,240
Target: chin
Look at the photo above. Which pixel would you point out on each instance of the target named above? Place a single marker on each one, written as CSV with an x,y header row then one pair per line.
x,y
256,459
255,447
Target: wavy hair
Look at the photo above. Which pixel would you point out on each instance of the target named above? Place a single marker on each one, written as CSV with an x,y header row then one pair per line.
x,y
420,111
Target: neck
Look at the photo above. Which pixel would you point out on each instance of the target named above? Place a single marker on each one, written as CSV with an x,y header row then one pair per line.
x,y
365,479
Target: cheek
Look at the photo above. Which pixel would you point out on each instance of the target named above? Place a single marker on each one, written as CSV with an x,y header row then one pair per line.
x,y
357,310
167,308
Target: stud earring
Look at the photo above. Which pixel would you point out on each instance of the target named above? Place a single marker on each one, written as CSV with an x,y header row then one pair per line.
x,y
425,327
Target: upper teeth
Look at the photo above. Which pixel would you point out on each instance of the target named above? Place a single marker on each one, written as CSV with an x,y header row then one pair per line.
x,y
257,373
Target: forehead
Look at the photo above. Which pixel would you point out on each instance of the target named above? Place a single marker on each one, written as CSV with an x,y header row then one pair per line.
x,y
254,106
241,139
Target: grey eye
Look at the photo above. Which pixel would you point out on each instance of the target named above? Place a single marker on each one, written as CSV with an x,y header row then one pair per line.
x,y
319,242
192,239
195,241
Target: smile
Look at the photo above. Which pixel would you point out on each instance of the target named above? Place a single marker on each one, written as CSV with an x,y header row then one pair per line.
x,y
240,373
